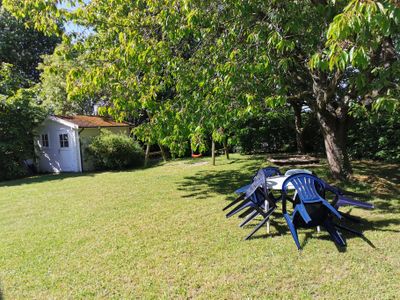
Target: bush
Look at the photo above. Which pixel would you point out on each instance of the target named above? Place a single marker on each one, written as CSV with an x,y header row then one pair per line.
x,y
269,132
375,136
115,151
19,116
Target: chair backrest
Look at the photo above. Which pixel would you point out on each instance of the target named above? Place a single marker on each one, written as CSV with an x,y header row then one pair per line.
x,y
270,171
256,192
297,171
258,181
306,186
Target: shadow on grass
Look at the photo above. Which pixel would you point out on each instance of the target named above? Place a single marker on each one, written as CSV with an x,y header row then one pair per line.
x,y
62,176
204,184
282,229
372,180
43,178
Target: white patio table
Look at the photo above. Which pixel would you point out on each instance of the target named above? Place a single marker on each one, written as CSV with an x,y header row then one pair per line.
x,y
275,183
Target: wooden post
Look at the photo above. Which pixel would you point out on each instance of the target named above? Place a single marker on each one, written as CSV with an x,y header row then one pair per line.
x,y
146,157
163,154
213,152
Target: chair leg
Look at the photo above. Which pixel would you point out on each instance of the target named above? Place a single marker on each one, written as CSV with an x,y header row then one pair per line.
x,y
250,217
349,229
246,212
293,231
237,200
239,208
266,218
334,233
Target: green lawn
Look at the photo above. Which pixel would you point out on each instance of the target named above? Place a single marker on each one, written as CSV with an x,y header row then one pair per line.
x,y
160,233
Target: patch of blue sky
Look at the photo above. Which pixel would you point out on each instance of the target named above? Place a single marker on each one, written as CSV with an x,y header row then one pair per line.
x,y
70,27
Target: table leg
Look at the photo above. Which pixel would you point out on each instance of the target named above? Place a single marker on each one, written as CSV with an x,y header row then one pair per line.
x,y
266,209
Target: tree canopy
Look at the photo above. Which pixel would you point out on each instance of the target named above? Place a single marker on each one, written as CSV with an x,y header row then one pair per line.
x,y
197,67
23,47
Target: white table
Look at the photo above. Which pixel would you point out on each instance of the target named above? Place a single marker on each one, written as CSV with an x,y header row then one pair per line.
x,y
276,182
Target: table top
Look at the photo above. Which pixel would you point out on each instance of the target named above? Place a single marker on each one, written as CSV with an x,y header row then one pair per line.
x,y
275,182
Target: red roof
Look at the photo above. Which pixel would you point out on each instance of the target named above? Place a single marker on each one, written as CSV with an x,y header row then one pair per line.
x,y
92,121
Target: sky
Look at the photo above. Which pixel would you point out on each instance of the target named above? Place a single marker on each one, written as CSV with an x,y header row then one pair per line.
x,y
71,27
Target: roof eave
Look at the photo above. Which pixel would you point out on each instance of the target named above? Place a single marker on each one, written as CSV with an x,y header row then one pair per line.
x,y
63,122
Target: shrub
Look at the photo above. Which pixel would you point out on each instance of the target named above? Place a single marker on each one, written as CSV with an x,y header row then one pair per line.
x,y
19,116
115,151
269,132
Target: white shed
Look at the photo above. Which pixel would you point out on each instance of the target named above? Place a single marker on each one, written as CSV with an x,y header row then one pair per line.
x,y
61,141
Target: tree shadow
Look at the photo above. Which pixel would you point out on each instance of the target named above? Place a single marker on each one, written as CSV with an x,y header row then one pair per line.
x,y
282,229
62,176
43,178
204,184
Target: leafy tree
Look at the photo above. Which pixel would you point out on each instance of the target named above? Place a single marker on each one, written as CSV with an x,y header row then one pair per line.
x,y
53,86
23,47
19,114
20,53
200,66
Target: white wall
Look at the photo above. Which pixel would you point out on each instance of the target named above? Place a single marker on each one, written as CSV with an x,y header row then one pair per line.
x,y
55,158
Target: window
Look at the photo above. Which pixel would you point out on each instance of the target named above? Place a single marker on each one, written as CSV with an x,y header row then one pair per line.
x,y
45,140
64,140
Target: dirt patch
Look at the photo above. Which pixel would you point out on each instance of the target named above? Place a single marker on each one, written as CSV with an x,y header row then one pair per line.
x,y
379,185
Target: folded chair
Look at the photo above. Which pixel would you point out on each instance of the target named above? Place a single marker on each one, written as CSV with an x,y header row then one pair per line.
x,y
256,199
310,209
266,172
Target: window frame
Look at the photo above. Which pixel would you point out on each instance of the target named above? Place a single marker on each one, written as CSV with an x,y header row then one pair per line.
x,y
44,140
63,140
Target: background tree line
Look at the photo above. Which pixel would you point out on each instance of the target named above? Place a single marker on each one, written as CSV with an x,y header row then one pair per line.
x,y
191,70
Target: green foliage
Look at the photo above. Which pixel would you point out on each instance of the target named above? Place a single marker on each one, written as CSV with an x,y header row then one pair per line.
x,y
115,151
200,68
375,135
23,47
10,80
19,115
53,86
269,132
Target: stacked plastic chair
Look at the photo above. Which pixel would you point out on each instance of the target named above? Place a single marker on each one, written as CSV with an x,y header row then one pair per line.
x,y
310,209
256,199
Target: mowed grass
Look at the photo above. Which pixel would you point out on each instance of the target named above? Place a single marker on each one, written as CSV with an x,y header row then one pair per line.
x,y
161,233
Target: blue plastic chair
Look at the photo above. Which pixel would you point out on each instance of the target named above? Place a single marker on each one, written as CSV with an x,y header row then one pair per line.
x,y
310,209
342,200
266,172
254,200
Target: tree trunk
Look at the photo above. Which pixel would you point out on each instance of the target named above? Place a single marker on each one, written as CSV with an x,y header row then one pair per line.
x,y
147,154
298,127
226,149
163,154
213,152
335,137
332,115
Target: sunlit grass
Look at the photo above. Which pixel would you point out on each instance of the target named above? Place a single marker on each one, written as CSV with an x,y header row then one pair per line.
x,y
160,233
